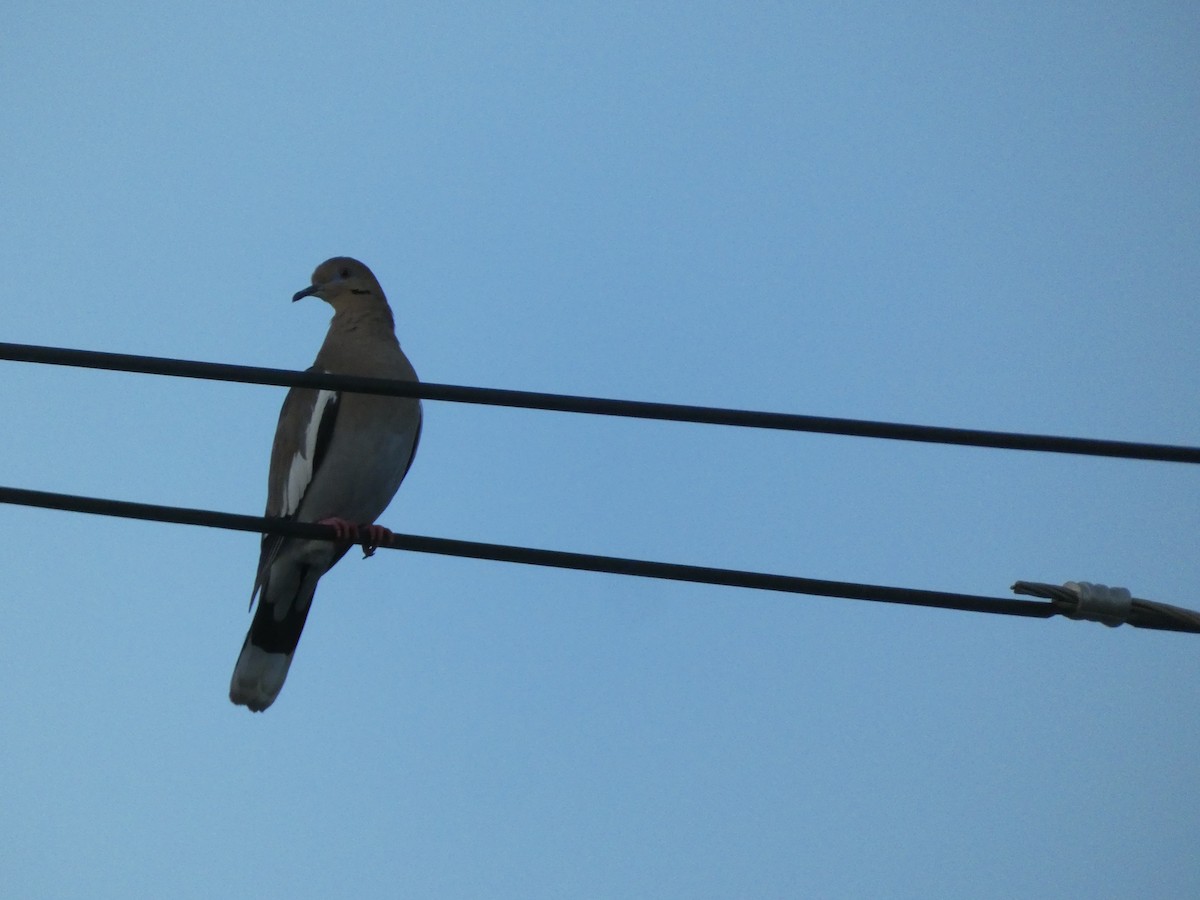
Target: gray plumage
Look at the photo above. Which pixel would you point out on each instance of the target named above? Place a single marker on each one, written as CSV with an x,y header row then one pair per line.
x,y
336,457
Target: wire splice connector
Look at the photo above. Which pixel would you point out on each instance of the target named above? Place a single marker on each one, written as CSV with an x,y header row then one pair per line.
x,y
1110,606
1100,603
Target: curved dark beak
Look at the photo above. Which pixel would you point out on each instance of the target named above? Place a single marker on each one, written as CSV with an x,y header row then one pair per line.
x,y
307,292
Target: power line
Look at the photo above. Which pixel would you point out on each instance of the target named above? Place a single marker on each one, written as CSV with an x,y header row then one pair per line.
x,y
1143,613
674,412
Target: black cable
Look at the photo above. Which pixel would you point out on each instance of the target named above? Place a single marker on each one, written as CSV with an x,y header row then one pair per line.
x,y
153,365
563,560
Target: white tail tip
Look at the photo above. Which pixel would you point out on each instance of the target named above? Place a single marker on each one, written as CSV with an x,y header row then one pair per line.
x,y
258,677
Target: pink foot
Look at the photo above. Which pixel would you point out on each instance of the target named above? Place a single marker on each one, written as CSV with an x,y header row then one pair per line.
x,y
345,531
349,532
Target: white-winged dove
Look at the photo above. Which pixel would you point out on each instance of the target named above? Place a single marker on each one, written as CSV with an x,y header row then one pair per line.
x,y
337,458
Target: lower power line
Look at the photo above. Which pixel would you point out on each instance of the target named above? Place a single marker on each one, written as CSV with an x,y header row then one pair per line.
x,y
1144,613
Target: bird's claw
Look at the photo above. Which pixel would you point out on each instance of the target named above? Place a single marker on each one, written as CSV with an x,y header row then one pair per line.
x,y
377,536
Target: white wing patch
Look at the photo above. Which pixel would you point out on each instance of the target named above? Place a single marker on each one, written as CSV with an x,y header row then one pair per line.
x,y
300,472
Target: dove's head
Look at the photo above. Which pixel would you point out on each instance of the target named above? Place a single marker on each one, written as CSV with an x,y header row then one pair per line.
x,y
343,282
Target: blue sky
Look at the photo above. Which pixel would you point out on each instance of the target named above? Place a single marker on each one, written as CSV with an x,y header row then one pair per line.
x,y
980,216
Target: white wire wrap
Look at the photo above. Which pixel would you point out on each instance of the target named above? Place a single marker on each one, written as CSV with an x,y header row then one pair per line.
x,y
1101,603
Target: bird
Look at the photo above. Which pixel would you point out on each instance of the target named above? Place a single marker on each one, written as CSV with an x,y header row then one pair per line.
x,y
338,459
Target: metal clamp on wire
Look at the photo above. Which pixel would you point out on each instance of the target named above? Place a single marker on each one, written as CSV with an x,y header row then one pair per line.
x,y
1084,600
1100,603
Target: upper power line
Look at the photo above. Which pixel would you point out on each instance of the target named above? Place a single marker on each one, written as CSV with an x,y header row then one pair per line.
x,y
674,412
